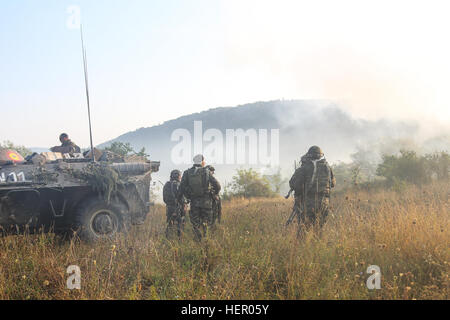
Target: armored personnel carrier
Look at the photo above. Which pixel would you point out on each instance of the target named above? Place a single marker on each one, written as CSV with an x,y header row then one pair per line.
x,y
57,192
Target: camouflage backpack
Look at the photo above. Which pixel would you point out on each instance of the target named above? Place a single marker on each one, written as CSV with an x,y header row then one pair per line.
x,y
198,182
321,177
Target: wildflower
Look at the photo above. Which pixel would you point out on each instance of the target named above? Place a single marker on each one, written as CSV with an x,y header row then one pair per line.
x,y
46,283
401,274
94,262
113,247
16,261
24,277
408,288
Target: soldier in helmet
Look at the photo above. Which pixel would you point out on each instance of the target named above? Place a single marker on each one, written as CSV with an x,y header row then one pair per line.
x,y
312,183
67,146
175,209
216,201
197,185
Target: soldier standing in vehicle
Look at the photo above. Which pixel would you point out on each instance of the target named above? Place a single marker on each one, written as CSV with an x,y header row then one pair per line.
x,y
216,201
175,209
197,185
67,145
312,183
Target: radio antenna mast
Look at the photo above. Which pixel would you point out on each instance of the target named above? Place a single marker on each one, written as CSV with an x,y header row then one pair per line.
x,y
87,91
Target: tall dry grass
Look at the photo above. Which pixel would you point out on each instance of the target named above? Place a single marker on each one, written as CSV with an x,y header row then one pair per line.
x,y
252,255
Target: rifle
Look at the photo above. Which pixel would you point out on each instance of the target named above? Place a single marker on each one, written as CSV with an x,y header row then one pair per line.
x,y
289,194
291,190
219,210
291,217
296,212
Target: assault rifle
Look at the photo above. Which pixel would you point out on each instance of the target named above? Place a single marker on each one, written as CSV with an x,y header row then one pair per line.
x,y
219,210
289,194
295,212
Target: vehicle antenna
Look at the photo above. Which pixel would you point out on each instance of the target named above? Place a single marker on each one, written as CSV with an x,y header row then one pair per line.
x,y
87,91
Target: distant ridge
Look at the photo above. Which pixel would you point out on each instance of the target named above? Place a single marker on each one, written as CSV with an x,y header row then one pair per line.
x,y
301,123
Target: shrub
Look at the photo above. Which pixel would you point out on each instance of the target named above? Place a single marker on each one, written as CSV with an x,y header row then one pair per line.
x,y
249,184
407,166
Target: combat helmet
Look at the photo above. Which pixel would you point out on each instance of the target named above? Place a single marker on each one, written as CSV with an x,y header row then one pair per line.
x,y
315,152
62,136
175,174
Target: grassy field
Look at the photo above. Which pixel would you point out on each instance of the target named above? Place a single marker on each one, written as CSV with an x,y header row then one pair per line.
x,y
252,255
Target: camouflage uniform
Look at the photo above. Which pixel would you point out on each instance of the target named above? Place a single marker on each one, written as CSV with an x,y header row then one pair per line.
x,y
216,209
216,201
175,210
67,147
312,183
197,185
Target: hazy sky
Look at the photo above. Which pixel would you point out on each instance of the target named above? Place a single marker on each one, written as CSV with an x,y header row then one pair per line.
x,y
151,61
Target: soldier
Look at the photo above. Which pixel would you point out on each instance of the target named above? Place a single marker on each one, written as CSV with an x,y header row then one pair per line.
x,y
216,201
312,183
197,185
67,146
175,210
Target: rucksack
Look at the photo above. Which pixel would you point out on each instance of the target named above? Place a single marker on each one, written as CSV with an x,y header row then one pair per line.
x,y
320,181
198,181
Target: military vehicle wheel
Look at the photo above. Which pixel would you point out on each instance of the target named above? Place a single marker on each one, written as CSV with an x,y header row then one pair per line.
x,y
97,220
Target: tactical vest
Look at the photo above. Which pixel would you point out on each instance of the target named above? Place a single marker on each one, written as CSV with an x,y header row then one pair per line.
x,y
198,182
